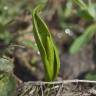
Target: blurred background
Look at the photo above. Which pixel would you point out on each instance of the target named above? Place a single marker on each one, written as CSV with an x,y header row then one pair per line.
x,y
67,20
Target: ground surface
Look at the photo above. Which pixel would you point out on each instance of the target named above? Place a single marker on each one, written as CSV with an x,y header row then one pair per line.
x,y
63,88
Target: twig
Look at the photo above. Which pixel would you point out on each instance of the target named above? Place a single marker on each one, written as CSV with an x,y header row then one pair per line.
x,y
60,82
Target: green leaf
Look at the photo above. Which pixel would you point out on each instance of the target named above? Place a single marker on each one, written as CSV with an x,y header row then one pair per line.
x,y
85,14
83,39
81,4
92,11
88,11
46,46
91,75
7,85
68,9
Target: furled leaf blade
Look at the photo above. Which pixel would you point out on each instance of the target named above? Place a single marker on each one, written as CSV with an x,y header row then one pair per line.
x,y
50,55
56,63
37,35
45,45
43,31
38,39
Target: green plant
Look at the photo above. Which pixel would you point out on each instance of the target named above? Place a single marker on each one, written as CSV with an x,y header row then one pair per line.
x,y
8,10
91,75
5,38
46,46
7,80
65,12
83,39
87,11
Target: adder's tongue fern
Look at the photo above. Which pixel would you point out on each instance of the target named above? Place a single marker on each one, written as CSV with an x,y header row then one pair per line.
x,y
48,50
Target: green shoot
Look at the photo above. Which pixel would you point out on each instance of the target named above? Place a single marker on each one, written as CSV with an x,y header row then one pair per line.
x,y
48,50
